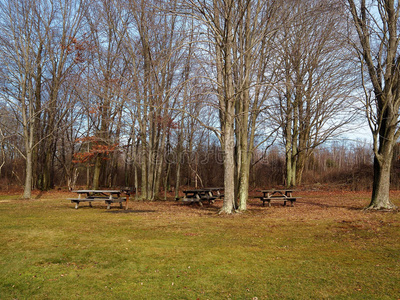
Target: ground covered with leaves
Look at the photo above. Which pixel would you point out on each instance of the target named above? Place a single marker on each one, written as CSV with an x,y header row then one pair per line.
x,y
325,247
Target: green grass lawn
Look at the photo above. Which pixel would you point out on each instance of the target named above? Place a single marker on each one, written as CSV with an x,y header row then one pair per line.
x,y
325,247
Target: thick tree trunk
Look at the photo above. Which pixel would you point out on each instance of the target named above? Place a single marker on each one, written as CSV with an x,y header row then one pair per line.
x,y
28,175
244,182
227,107
300,164
96,173
229,170
144,159
383,150
380,192
382,167
178,166
159,160
245,147
29,129
228,206
290,180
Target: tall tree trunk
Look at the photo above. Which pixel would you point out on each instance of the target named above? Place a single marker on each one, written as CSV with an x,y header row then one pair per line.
x,y
29,129
226,98
96,173
380,192
144,169
289,147
229,166
28,174
228,112
178,174
159,163
300,165
244,115
244,182
382,166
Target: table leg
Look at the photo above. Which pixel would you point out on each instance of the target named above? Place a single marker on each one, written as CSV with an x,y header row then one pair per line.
x,y
127,202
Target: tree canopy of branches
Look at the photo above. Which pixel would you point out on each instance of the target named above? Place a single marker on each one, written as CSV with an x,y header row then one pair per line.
x,y
317,80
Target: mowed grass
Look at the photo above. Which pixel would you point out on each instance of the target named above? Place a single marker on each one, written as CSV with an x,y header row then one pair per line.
x,y
325,247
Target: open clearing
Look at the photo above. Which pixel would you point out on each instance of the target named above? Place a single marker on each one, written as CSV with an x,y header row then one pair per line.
x,y
325,247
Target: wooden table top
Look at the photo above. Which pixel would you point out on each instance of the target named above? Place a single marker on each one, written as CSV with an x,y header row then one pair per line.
x,y
98,191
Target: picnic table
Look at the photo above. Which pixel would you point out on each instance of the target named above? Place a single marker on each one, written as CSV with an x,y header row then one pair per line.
x,y
108,196
200,195
277,195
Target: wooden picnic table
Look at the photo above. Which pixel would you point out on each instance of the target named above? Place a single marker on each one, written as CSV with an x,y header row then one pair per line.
x,y
108,196
277,195
203,194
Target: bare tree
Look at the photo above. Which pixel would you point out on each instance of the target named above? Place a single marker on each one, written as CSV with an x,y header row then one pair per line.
x,y
21,53
35,61
219,17
105,75
60,41
154,51
314,102
238,34
254,76
376,23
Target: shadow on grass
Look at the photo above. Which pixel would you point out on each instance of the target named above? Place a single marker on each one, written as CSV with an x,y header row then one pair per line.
x,y
325,205
205,208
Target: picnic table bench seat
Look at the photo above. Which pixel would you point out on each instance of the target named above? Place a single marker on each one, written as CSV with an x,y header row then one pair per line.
x,y
198,200
278,198
115,200
208,198
91,199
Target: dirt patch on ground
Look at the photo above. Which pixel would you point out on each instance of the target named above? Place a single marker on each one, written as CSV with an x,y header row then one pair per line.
x,y
313,205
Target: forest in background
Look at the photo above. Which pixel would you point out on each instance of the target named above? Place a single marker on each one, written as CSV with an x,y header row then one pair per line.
x,y
341,165
162,94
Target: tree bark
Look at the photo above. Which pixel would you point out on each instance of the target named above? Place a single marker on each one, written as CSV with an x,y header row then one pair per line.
x,y
380,193
228,206
28,175
96,173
